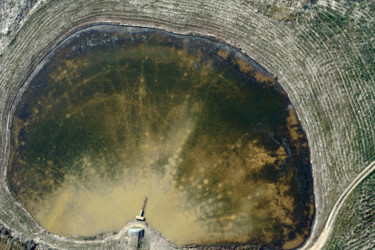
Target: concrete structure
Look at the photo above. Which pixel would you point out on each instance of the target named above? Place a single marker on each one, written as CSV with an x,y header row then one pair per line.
x,y
135,234
141,216
136,231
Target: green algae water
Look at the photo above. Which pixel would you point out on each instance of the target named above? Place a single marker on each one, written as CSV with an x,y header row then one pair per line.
x,y
116,114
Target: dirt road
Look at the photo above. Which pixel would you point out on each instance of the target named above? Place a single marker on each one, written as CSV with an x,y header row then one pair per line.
x,y
324,236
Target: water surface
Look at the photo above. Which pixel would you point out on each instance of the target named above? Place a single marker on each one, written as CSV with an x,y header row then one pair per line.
x,y
117,114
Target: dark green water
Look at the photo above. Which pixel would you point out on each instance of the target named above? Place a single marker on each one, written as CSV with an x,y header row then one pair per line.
x,y
117,114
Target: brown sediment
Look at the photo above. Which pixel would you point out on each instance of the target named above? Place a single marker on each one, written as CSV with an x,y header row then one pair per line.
x,y
67,69
298,240
243,65
295,131
223,53
259,75
264,78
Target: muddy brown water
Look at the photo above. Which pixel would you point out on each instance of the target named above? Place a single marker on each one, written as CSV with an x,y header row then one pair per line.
x,y
120,113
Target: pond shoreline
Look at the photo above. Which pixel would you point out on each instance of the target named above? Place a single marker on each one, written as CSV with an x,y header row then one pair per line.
x,y
81,27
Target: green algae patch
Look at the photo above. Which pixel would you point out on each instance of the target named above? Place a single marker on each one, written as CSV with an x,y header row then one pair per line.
x,y
116,114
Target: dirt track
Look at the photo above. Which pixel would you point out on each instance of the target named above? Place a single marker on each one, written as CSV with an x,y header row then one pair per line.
x,y
324,236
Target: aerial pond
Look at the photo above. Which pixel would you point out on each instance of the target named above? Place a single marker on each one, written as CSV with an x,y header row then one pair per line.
x,y
115,114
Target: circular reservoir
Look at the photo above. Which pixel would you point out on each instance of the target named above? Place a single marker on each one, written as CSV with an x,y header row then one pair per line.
x,y
115,114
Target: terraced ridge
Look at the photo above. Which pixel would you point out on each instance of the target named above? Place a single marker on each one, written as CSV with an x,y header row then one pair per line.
x,y
346,31
324,60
